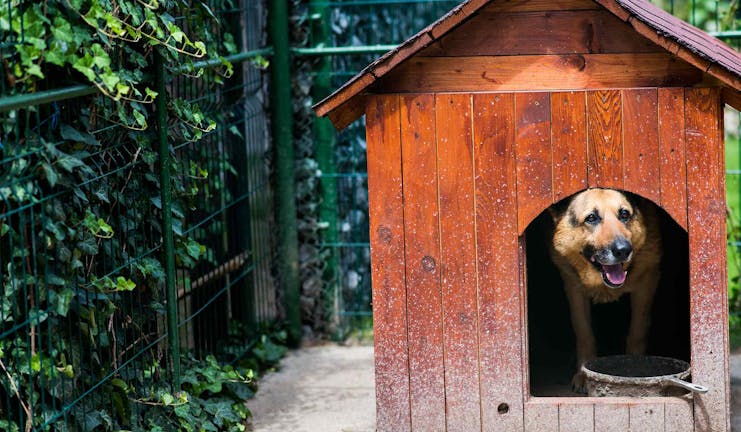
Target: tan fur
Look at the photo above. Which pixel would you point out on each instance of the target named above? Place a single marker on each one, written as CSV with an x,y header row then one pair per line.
x,y
584,283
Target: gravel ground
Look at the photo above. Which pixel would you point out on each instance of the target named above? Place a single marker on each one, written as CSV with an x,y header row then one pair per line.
x,y
329,388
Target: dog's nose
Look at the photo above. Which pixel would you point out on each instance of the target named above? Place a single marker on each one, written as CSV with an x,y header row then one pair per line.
x,y
621,248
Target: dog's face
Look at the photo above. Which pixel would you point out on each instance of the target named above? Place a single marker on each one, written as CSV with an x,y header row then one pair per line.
x,y
599,233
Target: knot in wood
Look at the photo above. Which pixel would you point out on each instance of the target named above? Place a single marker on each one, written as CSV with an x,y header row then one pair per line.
x,y
428,264
385,234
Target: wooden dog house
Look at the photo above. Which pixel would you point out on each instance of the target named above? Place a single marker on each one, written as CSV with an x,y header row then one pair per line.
x,y
478,124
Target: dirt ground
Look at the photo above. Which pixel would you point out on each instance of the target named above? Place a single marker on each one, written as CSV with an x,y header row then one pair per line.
x,y
329,388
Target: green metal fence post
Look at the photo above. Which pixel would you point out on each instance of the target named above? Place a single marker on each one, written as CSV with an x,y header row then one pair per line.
x,y
282,128
168,244
324,142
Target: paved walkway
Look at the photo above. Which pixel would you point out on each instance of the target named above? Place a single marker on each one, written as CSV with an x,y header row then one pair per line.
x,y
326,388
329,388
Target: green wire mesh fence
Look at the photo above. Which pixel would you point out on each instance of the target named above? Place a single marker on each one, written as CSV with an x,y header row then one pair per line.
x,y
83,304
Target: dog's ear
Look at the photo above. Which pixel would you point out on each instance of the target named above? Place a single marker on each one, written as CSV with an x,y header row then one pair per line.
x,y
558,210
636,201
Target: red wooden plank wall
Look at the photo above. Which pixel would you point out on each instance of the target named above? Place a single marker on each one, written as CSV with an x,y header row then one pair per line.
x,y
454,180
706,222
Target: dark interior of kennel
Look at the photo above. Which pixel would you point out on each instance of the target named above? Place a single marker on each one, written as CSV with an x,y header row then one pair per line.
x,y
552,355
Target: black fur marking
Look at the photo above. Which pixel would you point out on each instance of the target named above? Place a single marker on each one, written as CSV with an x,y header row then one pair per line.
x,y
572,219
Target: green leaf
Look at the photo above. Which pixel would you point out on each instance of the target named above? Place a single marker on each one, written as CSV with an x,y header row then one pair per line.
x,y
123,284
64,300
71,134
167,399
36,362
50,174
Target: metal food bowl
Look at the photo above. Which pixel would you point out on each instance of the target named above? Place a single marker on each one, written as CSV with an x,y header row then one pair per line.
x,y
637,376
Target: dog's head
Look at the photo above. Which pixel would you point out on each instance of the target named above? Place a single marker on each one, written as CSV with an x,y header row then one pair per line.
x,y
598,231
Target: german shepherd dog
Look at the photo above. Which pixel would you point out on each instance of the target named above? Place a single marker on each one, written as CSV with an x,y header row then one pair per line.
x,y
606,243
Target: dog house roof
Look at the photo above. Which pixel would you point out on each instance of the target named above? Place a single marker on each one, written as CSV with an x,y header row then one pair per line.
x,y
677,37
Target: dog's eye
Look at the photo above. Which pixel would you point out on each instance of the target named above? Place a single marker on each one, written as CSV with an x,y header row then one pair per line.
x,y
624,215
591,218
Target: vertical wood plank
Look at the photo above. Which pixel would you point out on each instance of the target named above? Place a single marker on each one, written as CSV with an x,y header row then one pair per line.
x,y
387,263
678,415
569,140
541,417
499,299
534,158
707,233
647,417
576,417
422,251
605,148
458,260
641,142
612,418
673,167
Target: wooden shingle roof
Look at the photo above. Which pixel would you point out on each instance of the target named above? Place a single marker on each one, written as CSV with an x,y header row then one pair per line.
x,y
692,45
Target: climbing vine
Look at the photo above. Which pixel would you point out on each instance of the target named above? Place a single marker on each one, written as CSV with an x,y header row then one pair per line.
x,y
80,209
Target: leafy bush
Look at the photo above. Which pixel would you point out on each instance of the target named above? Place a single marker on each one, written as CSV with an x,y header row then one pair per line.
x,y
81,305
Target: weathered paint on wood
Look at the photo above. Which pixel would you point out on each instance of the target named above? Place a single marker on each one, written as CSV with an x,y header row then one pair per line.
x,y
499,298
548,32
569,142
673,167
534,159
538,72
641,143
479,148
576,417
387,264
707,231
541,416
647,417
539,5
604,122
612,417
422,257
458,261
678,415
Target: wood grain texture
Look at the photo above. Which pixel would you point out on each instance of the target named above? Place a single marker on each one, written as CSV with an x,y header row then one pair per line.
x,y
614,417
672,164
707,234
538,72
605,149
678,415
641,143
387,264
458,261
551,32
576,417
499,296
541,417
422,257
647,417
569,142
538,5
534,158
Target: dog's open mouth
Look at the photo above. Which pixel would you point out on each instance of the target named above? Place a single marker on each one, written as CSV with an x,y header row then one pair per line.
x,y
613,275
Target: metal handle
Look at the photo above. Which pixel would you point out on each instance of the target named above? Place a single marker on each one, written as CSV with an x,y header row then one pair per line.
x,y
687,385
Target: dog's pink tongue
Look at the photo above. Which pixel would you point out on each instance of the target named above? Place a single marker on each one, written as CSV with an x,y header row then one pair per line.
x,y
615,273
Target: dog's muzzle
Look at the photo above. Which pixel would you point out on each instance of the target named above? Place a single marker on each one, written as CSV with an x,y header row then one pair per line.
x,y
612,261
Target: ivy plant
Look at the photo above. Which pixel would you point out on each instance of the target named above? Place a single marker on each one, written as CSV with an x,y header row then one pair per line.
x,y
80,211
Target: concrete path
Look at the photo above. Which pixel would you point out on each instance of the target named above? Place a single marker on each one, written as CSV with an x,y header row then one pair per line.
x,y
326,388
329,388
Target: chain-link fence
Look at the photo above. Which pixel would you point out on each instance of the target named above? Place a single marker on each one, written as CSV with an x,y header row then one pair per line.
x,y
90,289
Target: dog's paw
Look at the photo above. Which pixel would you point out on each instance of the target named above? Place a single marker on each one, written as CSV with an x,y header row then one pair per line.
x,y
579,383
